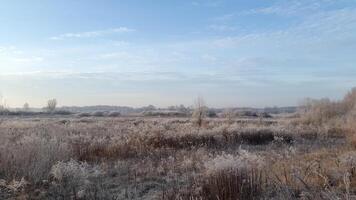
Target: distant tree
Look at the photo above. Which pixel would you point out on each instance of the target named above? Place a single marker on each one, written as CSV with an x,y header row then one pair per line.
x,y
51,105
26,107
3,105
350,100
182,108
149,108
211,113
229,114
172,108
200,111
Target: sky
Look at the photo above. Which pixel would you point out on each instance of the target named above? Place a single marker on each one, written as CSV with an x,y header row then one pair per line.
x,y
138,52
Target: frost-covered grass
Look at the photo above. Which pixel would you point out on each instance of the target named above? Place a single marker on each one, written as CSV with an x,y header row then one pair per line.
x,y
173,158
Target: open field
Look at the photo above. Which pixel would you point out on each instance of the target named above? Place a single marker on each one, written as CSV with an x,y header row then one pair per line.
x,y
178,100
173,158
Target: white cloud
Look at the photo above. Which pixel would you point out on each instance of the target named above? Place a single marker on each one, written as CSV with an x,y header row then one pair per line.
x,y
110,76
322,27
290,8
90,34
294,8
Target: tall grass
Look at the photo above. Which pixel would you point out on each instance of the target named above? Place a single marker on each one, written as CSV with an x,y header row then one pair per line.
x,y
234,184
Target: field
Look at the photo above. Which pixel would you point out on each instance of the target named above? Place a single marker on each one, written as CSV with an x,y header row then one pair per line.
x,y
178,100
305,155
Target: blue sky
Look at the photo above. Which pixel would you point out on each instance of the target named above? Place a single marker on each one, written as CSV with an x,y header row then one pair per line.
x,y
231,52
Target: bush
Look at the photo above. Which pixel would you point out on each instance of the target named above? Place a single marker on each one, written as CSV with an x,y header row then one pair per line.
x,y
71,179
322,111
62,112
257,137
98,114
234,184
83,115
318,112
338,116
114,114
233,177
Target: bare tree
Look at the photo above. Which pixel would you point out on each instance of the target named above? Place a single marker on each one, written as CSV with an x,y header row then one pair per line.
x,y
26,107
51,105
200,111
229,114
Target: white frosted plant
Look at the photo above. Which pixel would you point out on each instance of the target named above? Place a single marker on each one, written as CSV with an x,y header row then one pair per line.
x,y
243,161
72,179
74,171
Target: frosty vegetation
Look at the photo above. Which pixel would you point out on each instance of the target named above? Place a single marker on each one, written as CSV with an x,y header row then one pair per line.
x,y
307,155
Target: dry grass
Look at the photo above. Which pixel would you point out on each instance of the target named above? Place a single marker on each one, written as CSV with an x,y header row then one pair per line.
x,y
311,157
240,185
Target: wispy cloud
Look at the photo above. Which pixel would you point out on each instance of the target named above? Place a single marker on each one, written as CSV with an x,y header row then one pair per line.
x,y
90,34
290,8
294,8
141,76
320,27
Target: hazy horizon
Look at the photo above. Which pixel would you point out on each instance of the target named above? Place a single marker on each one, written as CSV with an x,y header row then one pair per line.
x,y
135,53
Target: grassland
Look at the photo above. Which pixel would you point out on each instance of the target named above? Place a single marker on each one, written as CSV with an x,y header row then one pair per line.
x,y
307,155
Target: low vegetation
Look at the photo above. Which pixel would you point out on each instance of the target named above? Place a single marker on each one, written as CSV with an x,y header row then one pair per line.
x,y
308,155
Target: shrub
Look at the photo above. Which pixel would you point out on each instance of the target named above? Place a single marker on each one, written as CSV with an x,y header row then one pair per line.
x,y
257,137
83,115
62,112
98,114
318,112
337,116
234,177
114,114
264,115
71,179
243,161
234,184
247,114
